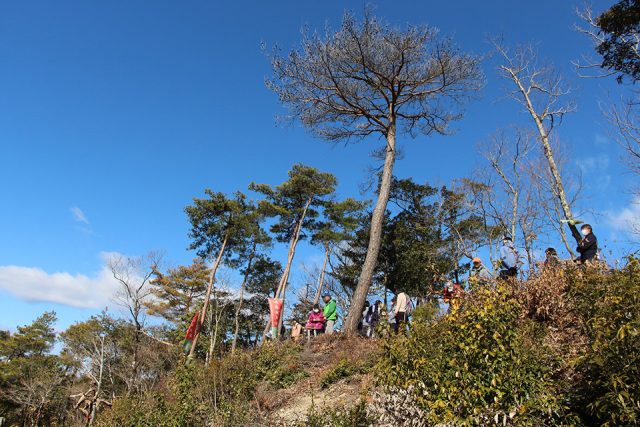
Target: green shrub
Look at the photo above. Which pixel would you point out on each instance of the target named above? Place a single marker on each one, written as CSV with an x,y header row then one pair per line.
x,y
482,365
220,394
344,369
278,364
609,304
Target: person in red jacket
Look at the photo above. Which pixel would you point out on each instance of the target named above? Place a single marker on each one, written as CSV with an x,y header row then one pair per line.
x,y
315,322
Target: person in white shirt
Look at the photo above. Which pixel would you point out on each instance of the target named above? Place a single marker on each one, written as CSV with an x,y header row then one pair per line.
x,y
400,311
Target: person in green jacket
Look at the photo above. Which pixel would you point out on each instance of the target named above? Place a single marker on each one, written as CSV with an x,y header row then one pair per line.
x,y
330,313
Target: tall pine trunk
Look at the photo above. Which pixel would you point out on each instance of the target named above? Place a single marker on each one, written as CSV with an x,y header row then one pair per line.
x,y
327,253
375,235
241,298
203,312
285,274
546,146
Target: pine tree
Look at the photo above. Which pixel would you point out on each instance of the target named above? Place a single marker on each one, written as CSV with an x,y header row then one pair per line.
x,y
177,292
296,203
218,229
367,79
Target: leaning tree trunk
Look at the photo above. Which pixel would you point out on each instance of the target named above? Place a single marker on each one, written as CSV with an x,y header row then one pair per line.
x,y
546,146
213,337
240,299
216,318
281,319
327,253
285,274
375,235
203,313
565,241
292,249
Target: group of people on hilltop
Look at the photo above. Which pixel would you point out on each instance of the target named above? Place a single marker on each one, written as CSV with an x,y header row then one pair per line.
x,y
510,263
397,317
322,320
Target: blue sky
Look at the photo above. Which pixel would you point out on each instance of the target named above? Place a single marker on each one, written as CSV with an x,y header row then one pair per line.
x,y
114,115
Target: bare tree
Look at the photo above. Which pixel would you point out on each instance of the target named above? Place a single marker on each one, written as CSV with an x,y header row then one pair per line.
x,y
220,303
479,194
507,159
625,116
372,79
587,66
511,204
541,91
89,401
134,274
549,202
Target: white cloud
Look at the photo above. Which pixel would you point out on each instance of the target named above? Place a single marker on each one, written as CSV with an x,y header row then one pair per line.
x,y
628,219
79,216
594,163
76,290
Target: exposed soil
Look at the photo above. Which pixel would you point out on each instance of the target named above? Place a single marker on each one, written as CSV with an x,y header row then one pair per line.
x,y
291,406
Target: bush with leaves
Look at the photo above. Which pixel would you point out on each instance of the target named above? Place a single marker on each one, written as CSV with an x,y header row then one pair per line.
x,y
221,394
483,365
278,364
608,392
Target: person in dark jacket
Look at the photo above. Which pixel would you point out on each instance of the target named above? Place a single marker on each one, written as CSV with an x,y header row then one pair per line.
x,y
587,241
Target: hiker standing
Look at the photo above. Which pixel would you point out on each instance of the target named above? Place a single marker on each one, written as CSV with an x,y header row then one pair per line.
x,y
373,316
479,274
551,258
400,311
587,241
315,322
330,313
508,259
296,331
363,325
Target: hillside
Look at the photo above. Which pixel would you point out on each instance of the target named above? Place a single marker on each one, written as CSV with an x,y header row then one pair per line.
x,y
561,348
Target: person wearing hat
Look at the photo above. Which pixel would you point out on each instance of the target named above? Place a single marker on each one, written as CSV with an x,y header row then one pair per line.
x,y
508,259
330,313
479,275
